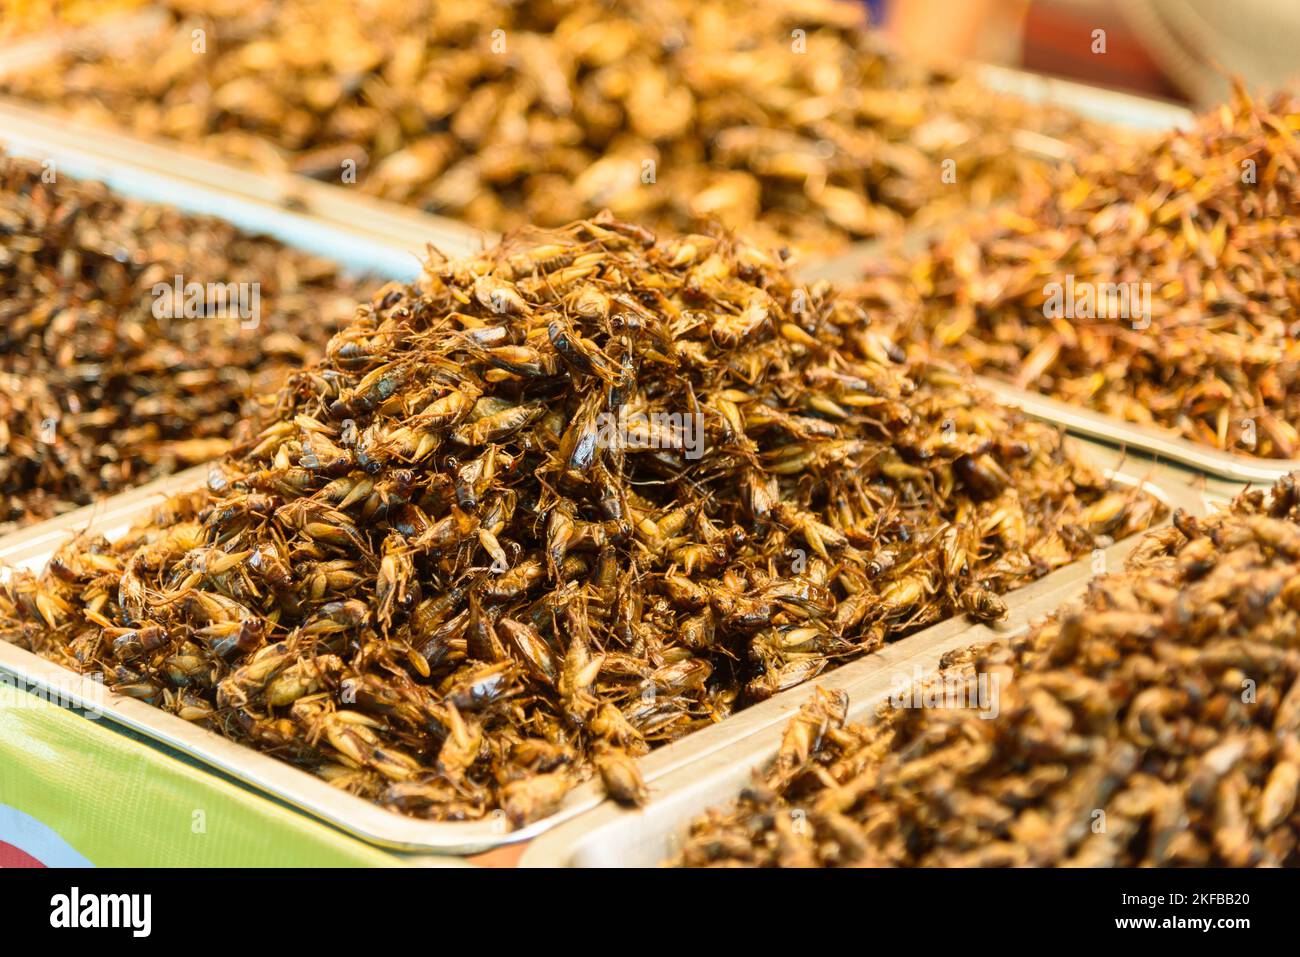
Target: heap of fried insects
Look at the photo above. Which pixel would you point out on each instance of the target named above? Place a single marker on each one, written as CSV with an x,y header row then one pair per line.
x,y
785,116
1156,722
1159,285
559,503
99,390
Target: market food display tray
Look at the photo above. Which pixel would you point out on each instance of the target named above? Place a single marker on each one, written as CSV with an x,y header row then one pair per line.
x,y
32,548
1151,440
366,238
119,35
360,232
613,836
364,235
1155,441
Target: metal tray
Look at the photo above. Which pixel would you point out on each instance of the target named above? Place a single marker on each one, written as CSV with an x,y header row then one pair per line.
x,y
359,231
363,236
218,186
1093,102
613,836
1155,441
1107,106
393,221
32,548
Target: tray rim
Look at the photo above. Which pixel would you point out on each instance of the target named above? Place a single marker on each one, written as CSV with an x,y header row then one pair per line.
x,y
1153,440
194,180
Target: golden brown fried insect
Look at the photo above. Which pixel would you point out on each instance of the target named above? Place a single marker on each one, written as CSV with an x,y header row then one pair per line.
x,y
621,777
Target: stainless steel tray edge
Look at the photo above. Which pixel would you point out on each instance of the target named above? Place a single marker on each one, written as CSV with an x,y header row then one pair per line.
x,y
1152,440
1114,107
32,547
298,210
17,53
